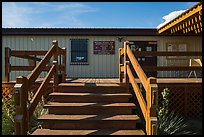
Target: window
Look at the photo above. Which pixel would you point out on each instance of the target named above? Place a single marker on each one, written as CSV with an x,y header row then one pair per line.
x,y
79,48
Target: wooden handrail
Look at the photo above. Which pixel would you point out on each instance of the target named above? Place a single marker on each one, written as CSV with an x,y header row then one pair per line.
x,y
138,93
150,106
36,98
37,70
142,76
24,84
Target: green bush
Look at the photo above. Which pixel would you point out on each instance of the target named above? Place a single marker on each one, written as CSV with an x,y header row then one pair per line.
x,y
9,113
8,117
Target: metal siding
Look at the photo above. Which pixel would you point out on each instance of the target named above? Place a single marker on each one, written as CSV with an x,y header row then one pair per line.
x,y
99,65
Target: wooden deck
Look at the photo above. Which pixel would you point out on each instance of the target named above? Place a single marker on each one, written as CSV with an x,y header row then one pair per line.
x,y
116,80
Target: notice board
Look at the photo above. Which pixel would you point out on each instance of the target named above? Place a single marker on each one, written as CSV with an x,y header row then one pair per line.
x,y
104,47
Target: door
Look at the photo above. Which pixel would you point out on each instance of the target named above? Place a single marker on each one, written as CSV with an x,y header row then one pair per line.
x,y
146,60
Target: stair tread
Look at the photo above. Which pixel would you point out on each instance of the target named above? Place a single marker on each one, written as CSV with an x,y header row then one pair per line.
x,y
88,132
92,84
88,117
89,94
105,104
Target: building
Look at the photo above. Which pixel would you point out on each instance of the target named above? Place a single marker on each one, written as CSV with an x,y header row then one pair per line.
x,y
93,52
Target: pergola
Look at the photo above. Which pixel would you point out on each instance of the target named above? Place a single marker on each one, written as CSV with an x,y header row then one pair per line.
x,y
189,22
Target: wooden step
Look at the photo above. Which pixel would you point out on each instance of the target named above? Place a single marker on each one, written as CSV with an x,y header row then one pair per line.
x,y
90,97
83,87
88,132
51,121
89,108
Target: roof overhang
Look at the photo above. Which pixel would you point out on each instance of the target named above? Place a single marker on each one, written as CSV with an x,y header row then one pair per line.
x,y
189,22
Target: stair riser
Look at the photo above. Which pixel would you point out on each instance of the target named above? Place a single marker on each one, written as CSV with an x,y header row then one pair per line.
x,y
92,89
87,110
81,99
54,124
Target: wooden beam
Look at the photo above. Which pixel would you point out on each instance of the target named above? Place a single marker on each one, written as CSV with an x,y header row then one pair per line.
x,y
23,52
38,69
139,71
171,68
164,53
40,92
138,93
27,57
181,18
30,68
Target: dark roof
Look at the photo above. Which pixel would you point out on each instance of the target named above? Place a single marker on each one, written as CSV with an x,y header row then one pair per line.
x,y
81,31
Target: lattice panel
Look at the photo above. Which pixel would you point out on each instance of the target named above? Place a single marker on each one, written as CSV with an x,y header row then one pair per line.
x,y
185,100
194,103
6,93
8,90
177,100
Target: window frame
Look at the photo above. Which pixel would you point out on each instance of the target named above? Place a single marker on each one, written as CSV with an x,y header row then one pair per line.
x,y
79,63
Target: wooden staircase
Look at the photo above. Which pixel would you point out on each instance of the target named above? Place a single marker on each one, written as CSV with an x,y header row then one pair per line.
x,y
90,109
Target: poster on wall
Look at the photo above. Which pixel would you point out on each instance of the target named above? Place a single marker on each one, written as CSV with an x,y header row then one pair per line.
x,y
104,47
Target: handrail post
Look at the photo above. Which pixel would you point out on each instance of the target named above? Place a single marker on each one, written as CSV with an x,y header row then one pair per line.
x,y
7,64
120,64
152,104
55,61
64,64
20,102
126,43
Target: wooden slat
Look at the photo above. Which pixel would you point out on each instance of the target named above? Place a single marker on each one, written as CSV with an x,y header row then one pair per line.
x,y
30,68
163,53
138,93
28,57
23,52
40,91
142,76
171,68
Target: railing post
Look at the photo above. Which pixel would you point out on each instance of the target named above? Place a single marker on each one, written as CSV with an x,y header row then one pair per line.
x,y
152,104
126,43
7,64
55,61
20,102
64,64
119,66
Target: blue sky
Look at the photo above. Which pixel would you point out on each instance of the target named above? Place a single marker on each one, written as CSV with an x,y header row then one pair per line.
x,y
89,14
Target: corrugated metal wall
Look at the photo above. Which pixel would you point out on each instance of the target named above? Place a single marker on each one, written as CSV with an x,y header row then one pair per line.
x,y
101,66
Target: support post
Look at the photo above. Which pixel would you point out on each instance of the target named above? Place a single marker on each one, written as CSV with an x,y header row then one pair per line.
x,y
152,104
64,64
7,64
20,102
126,43
119,66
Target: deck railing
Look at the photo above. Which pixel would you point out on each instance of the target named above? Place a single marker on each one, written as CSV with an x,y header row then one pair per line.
x,y
24,110
149,106
31,55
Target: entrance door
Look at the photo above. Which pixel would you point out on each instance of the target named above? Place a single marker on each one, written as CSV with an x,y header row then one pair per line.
x,y
146,60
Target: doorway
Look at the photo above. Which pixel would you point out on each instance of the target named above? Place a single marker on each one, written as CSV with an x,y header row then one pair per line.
x,y
146,60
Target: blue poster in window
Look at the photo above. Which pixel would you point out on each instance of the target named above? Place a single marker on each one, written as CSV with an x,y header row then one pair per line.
x,y
104,47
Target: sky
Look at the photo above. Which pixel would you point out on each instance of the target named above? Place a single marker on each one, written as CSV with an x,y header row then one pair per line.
x,y
90,14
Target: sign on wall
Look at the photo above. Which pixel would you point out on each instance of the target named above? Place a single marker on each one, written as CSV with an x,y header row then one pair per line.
x,y
104,47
